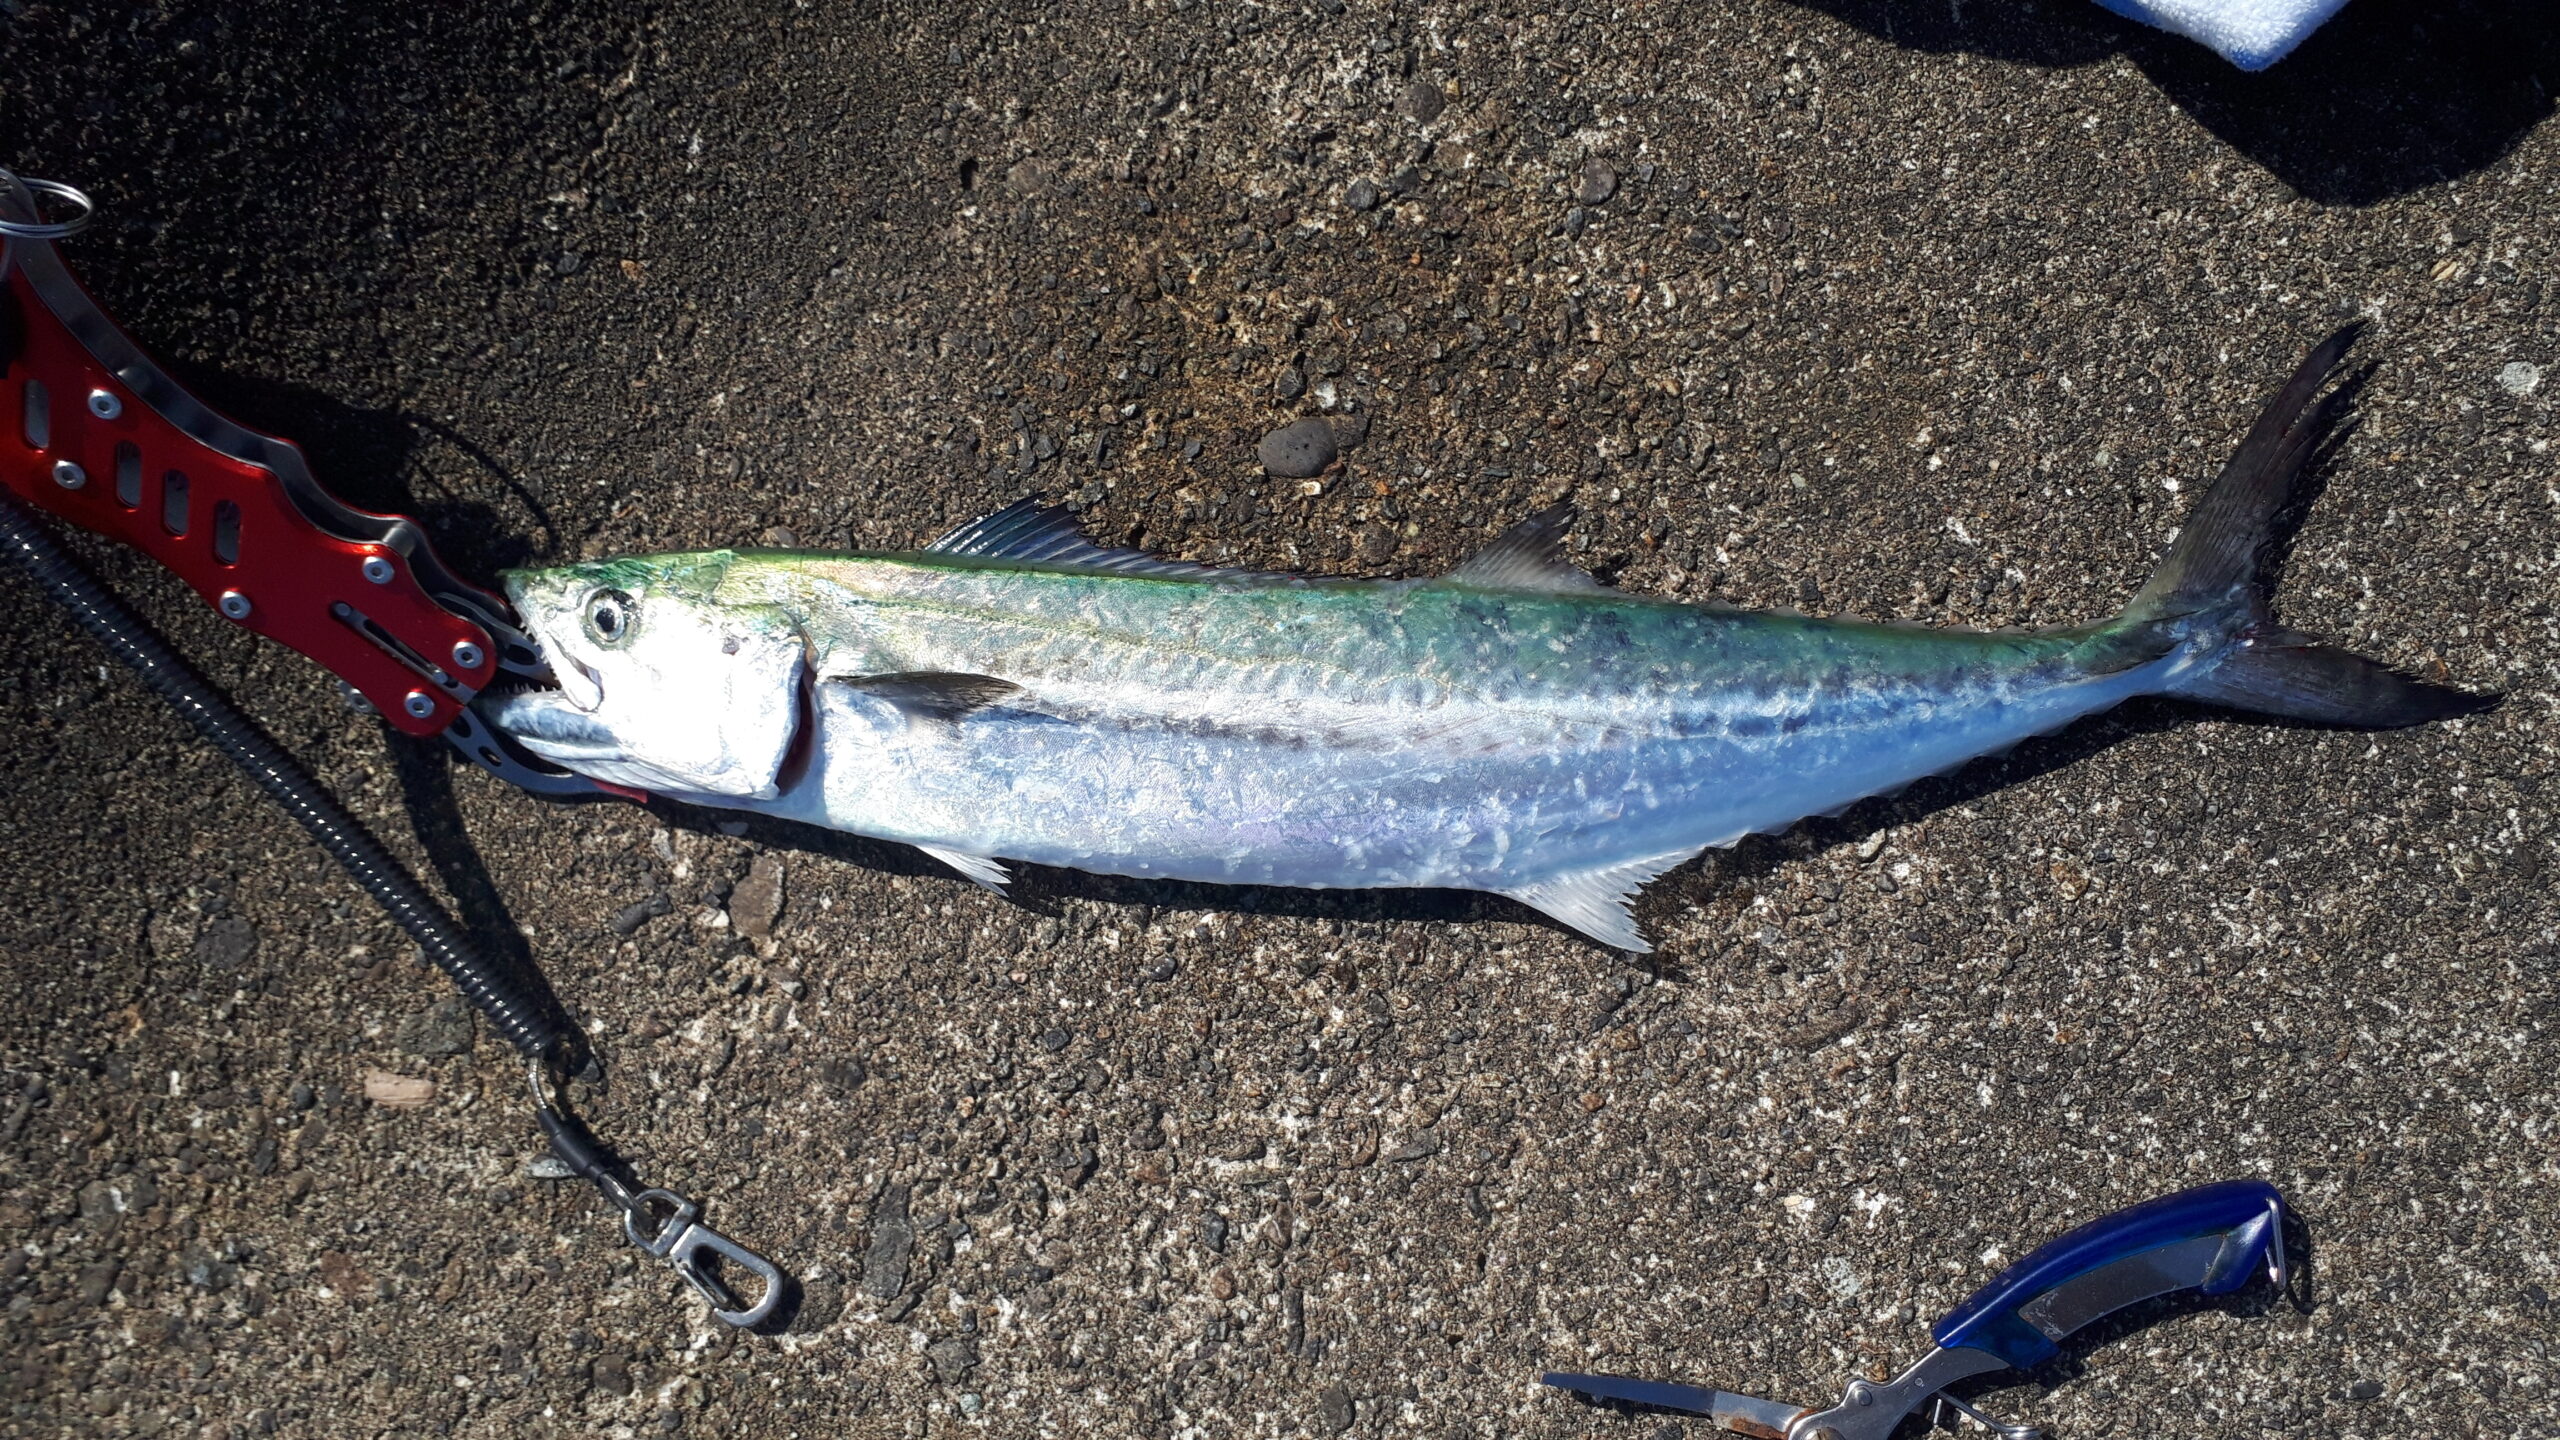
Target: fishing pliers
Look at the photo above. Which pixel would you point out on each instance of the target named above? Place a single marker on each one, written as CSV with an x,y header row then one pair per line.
x,y
2214,1239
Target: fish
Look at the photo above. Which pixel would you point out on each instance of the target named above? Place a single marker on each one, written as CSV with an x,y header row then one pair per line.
x,y
1014,692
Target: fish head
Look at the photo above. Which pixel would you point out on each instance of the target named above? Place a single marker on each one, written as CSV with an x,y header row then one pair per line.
x,y
661,684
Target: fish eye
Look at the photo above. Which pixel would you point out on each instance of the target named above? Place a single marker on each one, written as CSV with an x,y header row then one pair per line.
x,y
609,617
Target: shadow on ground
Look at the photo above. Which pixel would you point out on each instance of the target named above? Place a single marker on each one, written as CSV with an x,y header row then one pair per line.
x,y
2390,96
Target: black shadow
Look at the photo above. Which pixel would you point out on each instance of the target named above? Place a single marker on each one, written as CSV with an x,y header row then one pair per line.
x,y
2390,96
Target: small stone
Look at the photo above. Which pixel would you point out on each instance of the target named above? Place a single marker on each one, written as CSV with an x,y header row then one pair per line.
x,y
96,1283
1377,543
1299,450
1599,181
1291,384
1334,1410
821,1304
756,902
842,1076
1421,102
1054,1041
893,1243
398,1092
227,941
1163,970
1361,195
569,263
630,918
1415,1147
441,1029
2365,1390
952,1358
549,1167
2519,377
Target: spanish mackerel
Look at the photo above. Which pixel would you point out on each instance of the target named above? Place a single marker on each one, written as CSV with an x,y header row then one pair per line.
x,y
1015,692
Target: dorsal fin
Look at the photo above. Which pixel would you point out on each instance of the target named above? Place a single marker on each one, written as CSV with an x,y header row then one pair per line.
x,y
1039,534
1529,556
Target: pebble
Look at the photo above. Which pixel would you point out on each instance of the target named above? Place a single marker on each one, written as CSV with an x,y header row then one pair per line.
x,y
893,1242
227,941
2519,377
97,1282
1291,384
441,1029
1299,450
1599,182
952,1358
569,263
821,1304
1422,102
756,902
547,1166
1361,194
398,1092
630,918
1334,1410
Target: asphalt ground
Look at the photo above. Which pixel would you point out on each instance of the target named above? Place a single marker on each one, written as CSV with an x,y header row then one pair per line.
x,y
1935,312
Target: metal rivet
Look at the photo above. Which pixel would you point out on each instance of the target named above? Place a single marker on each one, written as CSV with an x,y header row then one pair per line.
x,y
69,475
233,605
419,704
104,404
466,656
378,570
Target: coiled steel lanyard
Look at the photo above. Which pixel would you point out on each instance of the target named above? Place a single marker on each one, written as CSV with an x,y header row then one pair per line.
x,y
93,433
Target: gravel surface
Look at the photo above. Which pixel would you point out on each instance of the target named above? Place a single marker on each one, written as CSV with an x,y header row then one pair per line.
x,y
1845,308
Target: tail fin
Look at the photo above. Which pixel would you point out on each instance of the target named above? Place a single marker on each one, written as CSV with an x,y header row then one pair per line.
x,y
2214,575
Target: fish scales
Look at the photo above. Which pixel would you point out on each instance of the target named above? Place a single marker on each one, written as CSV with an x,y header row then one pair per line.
x,y
1015,692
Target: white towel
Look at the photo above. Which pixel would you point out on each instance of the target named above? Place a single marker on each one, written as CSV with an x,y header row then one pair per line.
x,y
2252,34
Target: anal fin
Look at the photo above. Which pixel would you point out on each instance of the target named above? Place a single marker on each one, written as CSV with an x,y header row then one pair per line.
x,y
1600,903
979,868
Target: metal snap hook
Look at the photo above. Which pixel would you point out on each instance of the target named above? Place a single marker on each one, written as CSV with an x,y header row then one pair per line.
x,y
37,227
686,1244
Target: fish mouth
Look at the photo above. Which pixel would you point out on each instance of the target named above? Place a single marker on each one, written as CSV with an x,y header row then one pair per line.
x,y
580,685
551,724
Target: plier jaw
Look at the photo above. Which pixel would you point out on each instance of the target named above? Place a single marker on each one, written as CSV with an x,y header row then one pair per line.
x,y
97,434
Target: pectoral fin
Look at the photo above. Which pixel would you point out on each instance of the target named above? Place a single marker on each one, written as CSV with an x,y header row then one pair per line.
x,y
1600,903
933,694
